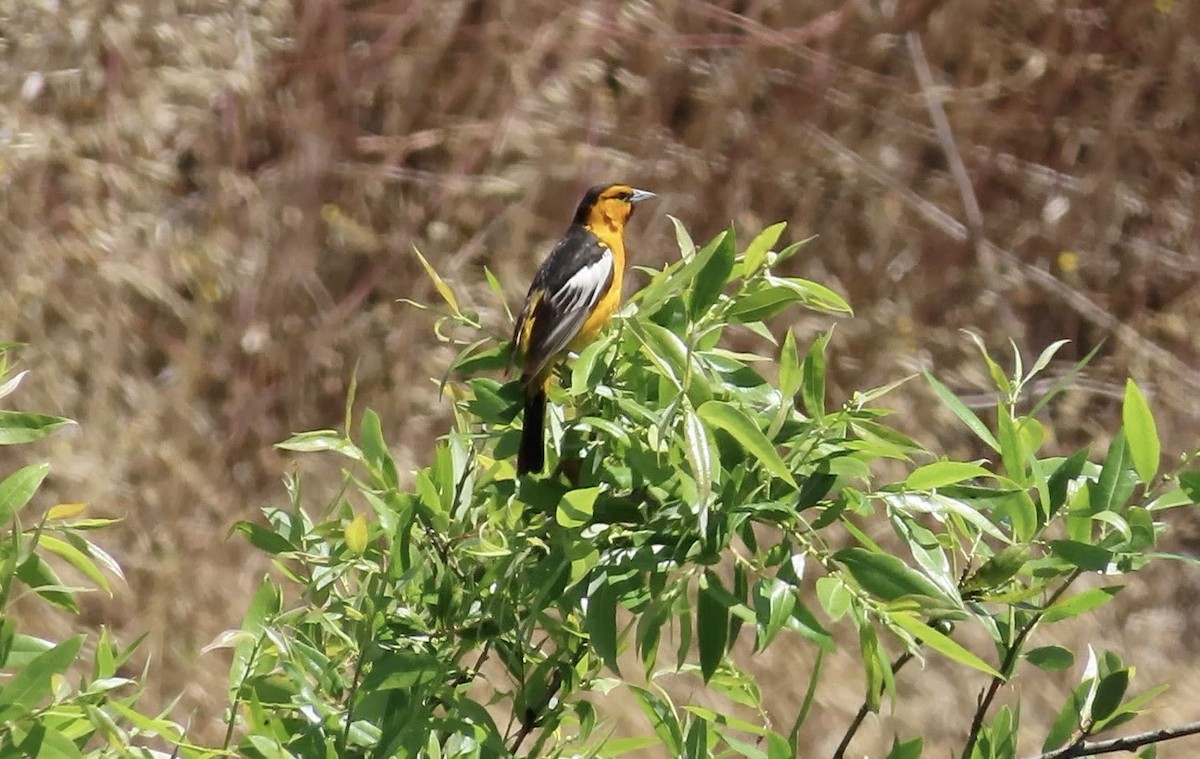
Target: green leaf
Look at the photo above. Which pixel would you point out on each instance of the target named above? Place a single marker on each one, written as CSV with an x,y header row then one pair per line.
x,y
1102,492
778,747
695,744
1080,603
910,749
886,576
712,277
42,578
1068,719
762,304
12,383
376,450
1051,658
756,251
833,596
665,349
712,625
1043,359
19,487
1140,432
698,449
33,682
17,427
1083,555
873,664
321,440
815,296
663,718
677,277
789,366
813,387
263,538
964,414
687,248
600,621
75,558
497,290
774,601
999,569
586,371
999,378
42,740
942,473
942,643
1109,694
743,429
576,507
1057,485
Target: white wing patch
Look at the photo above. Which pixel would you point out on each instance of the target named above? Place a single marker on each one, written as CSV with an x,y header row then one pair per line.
x,y
585,286
573,302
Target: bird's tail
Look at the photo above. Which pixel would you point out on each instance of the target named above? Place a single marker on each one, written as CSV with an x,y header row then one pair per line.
x,y
532,455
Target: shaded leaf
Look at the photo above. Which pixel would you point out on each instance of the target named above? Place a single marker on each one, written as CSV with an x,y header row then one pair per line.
x,y
19,487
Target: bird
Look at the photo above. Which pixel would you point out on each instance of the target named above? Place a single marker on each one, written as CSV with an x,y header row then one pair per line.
x,y
573,296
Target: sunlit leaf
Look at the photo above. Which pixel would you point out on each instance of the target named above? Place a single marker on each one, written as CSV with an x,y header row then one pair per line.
x,y
438,283
575,508
712,277
1081,603
18,427
942,643
356,535
19,487
756,251
743,429
1140,432
942,473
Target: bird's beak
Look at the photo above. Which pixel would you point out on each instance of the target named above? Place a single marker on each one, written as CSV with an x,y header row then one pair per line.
x,y
640,195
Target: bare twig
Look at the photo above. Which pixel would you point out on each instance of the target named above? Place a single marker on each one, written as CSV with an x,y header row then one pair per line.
x,y
865,709
1126,743
958,169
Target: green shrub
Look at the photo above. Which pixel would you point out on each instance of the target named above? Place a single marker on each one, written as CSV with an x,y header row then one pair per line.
x,y
713,494
698,496
52,702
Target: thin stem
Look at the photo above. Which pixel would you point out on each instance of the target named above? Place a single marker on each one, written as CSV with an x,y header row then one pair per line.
x,y
1006,667
865,709
350,701
233,706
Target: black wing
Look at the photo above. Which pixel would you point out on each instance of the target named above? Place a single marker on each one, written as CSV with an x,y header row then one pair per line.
x,y
578,271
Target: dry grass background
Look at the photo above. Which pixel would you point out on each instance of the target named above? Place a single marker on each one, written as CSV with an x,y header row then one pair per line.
x,y
208,209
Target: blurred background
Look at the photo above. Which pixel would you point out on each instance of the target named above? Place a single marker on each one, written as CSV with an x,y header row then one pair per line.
x,y
208,209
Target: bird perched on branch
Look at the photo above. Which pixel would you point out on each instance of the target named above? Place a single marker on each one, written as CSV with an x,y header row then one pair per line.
x,y
573,296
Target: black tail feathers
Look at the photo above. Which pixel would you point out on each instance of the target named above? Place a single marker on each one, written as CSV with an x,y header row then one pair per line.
x,y
532,455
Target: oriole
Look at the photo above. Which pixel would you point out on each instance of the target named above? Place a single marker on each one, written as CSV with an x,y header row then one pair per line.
x,y
573,296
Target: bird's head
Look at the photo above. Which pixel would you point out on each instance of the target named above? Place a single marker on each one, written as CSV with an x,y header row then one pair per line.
x,y
609,205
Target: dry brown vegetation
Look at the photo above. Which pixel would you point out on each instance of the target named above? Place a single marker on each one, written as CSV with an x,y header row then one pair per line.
x,y
209,207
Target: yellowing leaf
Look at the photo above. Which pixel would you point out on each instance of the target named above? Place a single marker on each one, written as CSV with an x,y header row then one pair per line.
x,y
356,535
439,283
65,511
